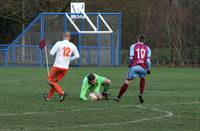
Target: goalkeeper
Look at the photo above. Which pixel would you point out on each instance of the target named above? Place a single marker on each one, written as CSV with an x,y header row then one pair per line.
x,y
93,83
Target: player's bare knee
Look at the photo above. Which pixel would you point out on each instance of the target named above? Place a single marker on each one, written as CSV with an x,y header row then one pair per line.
x,y
127,82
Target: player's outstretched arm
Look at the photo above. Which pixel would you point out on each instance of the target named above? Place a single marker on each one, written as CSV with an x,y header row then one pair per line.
x,y
84,89
131,55
149,61
76,54
54,49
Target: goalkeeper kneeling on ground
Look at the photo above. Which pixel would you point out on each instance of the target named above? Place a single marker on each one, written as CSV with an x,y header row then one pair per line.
x,y
92,83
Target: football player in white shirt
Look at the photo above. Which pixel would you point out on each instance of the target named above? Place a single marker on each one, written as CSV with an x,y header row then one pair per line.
x,y
63,50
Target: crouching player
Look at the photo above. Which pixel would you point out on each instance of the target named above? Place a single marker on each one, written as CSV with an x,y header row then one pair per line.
x,y
93,83
139,66
63,50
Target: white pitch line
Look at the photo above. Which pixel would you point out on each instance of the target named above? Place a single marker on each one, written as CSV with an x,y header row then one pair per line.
x,y
7,81
172,104
74,109
167,114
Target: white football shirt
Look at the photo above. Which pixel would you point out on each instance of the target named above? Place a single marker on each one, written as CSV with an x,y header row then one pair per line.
x,y
64,49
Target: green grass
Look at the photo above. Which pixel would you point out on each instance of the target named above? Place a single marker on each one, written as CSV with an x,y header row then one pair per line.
x,y
176,90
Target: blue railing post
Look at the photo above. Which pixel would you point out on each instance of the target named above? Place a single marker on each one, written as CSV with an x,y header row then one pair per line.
x,y
37,54
82,25
119,42
88,58
98,41
111,50
13,54
65,23
79,48
6,58
41,38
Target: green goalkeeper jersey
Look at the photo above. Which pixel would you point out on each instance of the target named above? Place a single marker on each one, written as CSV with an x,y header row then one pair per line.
x,y
91,88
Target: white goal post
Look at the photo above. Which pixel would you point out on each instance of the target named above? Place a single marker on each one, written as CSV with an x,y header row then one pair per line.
x,y
78,12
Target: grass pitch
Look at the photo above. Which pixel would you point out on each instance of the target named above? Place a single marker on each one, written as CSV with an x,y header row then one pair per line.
x,y
172,102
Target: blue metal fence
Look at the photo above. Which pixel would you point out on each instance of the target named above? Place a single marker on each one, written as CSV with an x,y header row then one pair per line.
x,y
5,48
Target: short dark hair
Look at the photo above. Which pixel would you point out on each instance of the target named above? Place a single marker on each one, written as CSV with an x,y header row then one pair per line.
x,y
91,77
142,38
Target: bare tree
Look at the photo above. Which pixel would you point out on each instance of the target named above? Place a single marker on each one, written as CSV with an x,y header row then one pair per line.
x,y
174,19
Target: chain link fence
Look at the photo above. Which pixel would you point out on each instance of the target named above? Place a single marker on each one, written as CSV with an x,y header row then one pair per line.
x,y
95,49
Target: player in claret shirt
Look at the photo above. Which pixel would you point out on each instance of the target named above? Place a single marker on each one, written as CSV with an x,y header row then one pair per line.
x,y
139,66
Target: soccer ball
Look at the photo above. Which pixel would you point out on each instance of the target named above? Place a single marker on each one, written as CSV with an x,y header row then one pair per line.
x,y
92,97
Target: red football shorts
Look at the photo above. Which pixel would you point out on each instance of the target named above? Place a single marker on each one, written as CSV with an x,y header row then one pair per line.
x,y
56,74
